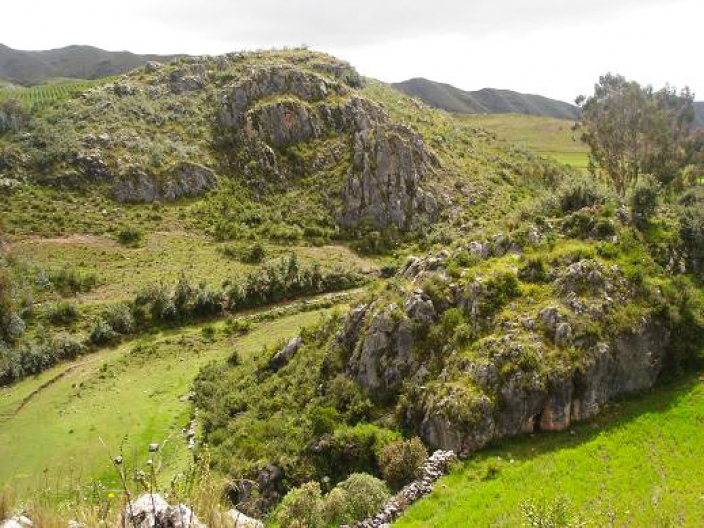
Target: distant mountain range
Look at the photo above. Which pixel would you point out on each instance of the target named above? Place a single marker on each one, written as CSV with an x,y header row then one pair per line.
x,y
486,101
493,101
79,62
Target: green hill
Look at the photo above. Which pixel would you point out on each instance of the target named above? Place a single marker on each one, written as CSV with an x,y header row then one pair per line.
x,y
307,266
75,62
485,101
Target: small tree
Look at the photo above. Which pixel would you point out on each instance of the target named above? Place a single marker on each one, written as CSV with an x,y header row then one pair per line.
x,y
633,130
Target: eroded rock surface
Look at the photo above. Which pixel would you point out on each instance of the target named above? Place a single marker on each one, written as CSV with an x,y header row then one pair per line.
x,y
184,180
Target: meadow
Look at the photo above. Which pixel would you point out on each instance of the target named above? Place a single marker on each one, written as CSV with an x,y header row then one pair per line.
x,y
546,136
60,429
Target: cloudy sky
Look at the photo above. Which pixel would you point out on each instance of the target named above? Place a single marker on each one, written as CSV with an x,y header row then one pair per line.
x,y
556,48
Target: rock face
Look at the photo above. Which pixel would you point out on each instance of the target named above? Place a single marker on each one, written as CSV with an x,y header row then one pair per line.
x,y
501,388
184,180
278,107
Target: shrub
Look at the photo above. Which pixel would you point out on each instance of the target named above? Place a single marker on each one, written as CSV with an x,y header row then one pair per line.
x,y
336,508
549,514
66,346
302,507
120,318
402,461
580,192
69,281
129,236
644,200
63,313
365,495
102,333
534,270
324,420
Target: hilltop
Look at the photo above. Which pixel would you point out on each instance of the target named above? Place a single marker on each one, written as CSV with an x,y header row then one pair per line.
x,y
71,62
485,101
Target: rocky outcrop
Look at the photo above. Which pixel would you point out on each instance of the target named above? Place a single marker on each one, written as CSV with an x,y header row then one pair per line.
x,y
283,356
280,106
19,521
528,403
184,180
435,467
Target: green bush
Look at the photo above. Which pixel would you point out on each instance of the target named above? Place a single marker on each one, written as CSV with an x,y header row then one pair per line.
x,y
534,270
302,507
644,200
120,318
365,495
103,333
129,236
336,508
402,461
63,313
68,281
580,192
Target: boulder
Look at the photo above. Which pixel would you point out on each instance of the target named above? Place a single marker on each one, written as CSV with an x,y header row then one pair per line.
x,y
283,356
152,511
243,521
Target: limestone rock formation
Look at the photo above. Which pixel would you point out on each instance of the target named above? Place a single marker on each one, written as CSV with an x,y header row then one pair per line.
x,y
152,511
280,106
184,180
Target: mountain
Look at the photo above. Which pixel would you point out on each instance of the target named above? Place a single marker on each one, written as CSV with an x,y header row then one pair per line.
x,y
80,62
486,101
699,114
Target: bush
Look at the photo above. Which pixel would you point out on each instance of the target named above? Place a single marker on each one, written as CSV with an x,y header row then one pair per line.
x,y
63,313
644,200
402,461
336,508
251,254
365,495
68,281
102,333
66,346
553,514
129,236
534,270
302,507
580,192
120,318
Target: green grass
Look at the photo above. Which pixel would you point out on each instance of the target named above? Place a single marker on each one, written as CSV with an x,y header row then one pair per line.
x,y
128,393
546,136
637,464
122,271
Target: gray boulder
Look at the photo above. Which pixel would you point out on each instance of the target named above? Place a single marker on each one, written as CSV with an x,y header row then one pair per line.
x,y
283,356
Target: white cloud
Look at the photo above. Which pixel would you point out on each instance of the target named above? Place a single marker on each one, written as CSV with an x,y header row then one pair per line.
x,y
552,47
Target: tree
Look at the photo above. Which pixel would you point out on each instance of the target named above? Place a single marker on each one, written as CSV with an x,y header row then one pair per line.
x,y
632,130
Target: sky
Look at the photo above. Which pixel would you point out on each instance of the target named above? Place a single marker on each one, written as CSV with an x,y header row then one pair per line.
x,y
556,48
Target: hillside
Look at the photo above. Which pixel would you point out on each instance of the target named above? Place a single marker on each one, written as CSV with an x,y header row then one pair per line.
x,y
485,101
265,271
73,62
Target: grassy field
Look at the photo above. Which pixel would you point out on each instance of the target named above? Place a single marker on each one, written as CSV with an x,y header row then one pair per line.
x,y
53,90
121,271
635,465
76,415
546,136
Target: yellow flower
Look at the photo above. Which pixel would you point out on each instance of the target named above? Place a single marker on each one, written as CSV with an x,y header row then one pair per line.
x,y
111,495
